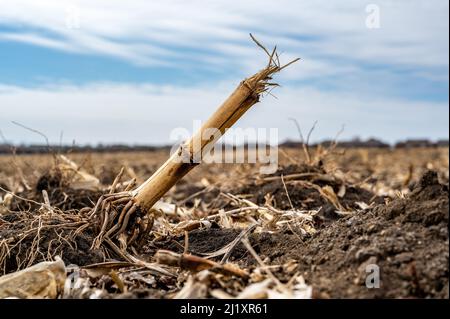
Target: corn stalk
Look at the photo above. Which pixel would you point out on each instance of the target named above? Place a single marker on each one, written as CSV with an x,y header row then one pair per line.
x,y
126,216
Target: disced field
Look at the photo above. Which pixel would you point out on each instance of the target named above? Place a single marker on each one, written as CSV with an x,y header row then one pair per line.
x,y
319,228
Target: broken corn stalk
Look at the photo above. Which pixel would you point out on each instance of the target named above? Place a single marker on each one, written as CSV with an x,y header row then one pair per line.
x,y
187,157
244,96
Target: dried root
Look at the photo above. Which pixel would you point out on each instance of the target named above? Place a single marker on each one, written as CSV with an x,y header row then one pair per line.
x,y
120,218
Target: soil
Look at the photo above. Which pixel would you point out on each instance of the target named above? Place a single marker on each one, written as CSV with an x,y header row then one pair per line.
x,y
407,239
304,197
402,227
77,251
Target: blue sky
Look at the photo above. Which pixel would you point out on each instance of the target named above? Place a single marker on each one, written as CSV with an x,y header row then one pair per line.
x,y
132,71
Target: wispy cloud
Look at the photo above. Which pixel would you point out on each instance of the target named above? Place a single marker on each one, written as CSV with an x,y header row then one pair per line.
x,y
412,33
38,40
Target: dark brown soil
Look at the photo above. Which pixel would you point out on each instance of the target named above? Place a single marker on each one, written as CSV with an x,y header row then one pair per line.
x,y
407,239
297,193
308,198
77,251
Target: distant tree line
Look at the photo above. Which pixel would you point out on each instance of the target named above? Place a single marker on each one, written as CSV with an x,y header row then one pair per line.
x,y
42,149
355,143
374,143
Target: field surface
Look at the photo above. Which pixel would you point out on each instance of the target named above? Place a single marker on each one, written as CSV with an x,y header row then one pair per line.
x,y
318,227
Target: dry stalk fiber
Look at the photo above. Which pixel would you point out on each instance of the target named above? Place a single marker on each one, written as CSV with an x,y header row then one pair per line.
x,y
196,264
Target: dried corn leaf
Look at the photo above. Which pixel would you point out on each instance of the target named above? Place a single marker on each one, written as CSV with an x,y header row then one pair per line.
x,y
44,280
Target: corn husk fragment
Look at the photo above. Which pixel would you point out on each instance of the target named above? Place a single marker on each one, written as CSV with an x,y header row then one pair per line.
x,y
42,281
